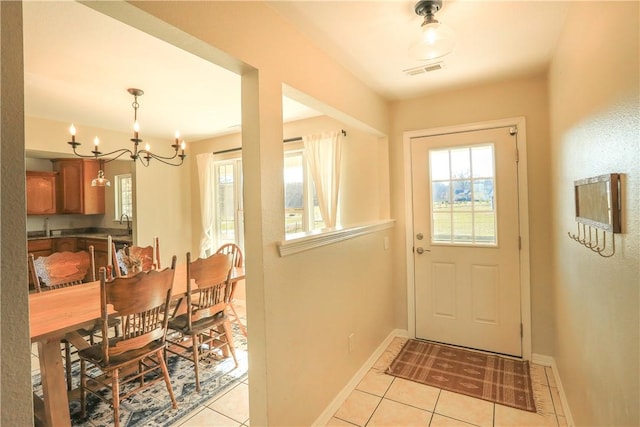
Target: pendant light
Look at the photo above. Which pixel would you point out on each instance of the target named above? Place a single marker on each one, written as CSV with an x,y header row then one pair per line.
x,y
436,40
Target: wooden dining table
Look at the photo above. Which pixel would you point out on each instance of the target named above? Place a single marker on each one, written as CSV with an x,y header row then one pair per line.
x,y
56,315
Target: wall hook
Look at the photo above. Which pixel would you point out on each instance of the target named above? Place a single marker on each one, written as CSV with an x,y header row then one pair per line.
x,y
588,240
604,245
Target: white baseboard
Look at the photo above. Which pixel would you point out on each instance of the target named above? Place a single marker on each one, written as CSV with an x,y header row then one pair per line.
x,y
544,360
337,402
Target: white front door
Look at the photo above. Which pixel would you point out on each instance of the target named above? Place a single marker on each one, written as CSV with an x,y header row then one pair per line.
x,y
466,239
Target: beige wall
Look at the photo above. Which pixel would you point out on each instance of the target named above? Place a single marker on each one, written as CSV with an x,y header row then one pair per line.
x,y
162,208
595,116
521,97
15,384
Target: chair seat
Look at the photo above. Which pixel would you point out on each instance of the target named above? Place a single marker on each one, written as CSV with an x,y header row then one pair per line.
x,y
94,354
181,323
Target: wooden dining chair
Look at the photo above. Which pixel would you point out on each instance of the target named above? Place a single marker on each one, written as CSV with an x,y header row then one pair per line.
x,y
238,261
136,258
141,302
205,320
60,270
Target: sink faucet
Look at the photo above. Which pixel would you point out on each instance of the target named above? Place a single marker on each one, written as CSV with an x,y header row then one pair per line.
x,y
128,222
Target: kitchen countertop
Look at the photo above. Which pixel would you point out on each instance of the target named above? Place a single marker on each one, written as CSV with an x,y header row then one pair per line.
x,y
101,234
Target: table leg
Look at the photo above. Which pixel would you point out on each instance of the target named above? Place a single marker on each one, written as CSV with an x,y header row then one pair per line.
x,y
54,388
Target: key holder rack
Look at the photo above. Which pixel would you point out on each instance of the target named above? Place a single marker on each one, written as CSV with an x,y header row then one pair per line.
x,y
598,210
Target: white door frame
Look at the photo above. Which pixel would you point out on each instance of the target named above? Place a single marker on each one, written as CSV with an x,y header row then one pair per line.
x,y
523,212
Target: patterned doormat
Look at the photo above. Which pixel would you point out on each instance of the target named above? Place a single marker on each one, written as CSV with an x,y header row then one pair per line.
x,y
480,375
152,406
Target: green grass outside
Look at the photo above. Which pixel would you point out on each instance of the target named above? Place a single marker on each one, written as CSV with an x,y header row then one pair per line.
x,y
459,219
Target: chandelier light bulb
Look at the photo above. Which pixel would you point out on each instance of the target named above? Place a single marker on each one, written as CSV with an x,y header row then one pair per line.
x,y
96,141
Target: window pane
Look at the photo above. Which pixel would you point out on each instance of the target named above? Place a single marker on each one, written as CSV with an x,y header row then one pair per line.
x,y
483,194
294,221
485,228
293,182
225,203
482,161
463,227
460,163
123,196
441,227
439,165
441,195
461,195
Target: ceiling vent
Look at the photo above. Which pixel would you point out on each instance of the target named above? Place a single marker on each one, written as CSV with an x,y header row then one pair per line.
x,y
423,69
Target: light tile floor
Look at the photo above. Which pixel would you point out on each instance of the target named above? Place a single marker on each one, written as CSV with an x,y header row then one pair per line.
x,y
384,400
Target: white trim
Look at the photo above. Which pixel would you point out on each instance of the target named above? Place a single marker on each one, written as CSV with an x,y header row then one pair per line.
x,y
544,360
337,401
318,239
523,207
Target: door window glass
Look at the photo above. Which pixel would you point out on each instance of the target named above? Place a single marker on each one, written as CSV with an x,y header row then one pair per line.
x,y
463,209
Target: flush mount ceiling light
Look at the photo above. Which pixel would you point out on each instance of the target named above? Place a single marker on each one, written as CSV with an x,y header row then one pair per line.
x,y
144,156
436,40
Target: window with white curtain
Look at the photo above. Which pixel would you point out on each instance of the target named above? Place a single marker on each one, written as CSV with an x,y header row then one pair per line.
x,y
228,214
302,209
302,213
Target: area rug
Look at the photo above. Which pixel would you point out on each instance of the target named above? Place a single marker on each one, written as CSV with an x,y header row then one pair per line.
x,y
152,407
484,376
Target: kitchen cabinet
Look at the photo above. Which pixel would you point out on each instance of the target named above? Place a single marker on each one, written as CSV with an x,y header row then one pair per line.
x,y
65,244
41,193
40,247
75,195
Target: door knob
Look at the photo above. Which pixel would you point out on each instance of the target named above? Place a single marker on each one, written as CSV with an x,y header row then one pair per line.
x,y
420,250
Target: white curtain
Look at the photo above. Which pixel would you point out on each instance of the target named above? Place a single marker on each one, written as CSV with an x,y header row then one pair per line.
x,y
205,176
322,152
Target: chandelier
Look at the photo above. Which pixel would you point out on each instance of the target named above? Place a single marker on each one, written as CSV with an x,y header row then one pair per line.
x,y
143,155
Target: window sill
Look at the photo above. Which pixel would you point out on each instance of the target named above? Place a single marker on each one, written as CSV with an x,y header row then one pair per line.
x,y
318,239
